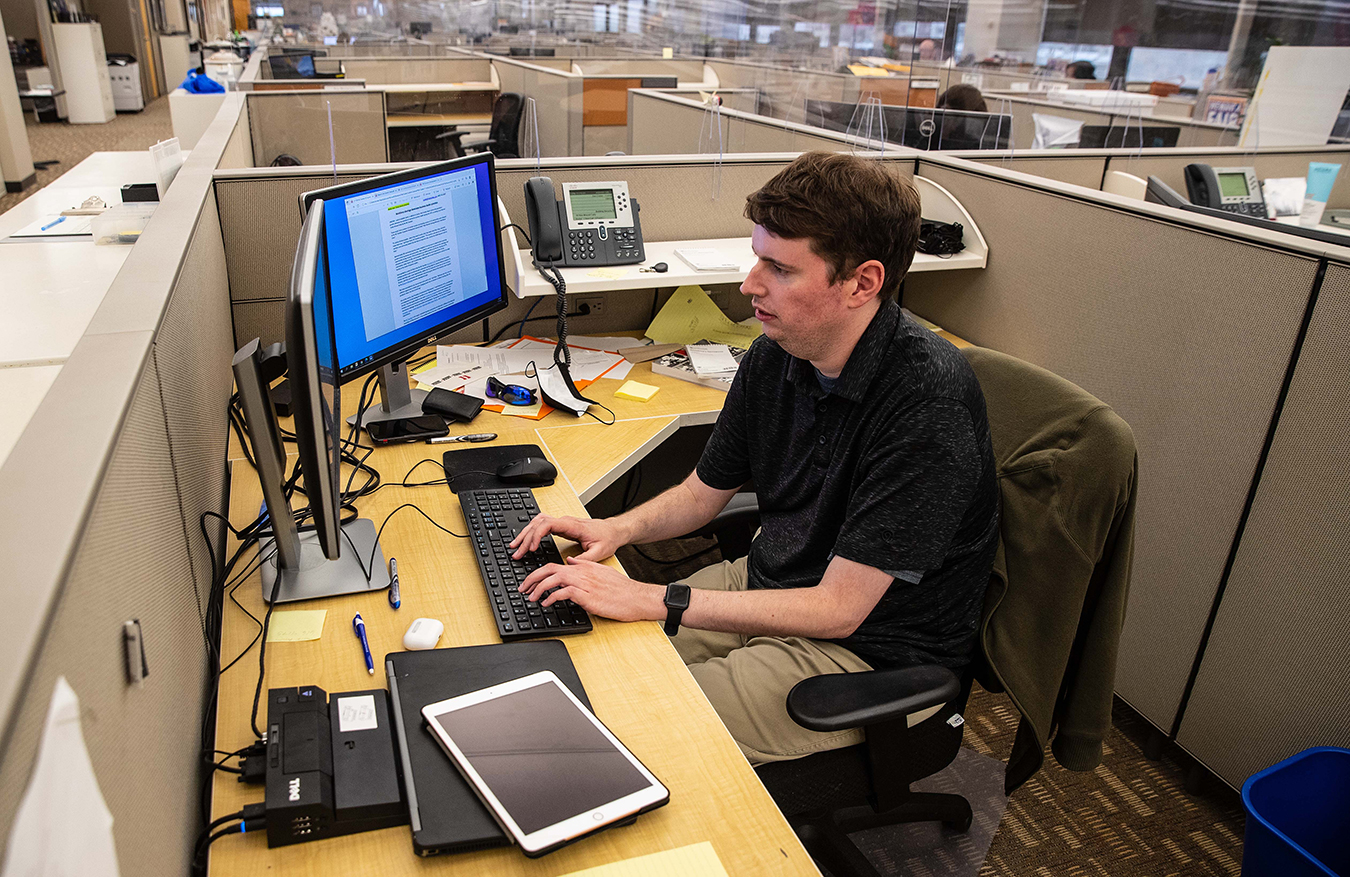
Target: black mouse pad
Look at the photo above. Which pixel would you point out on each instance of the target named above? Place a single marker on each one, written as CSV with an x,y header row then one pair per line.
x,y
476,468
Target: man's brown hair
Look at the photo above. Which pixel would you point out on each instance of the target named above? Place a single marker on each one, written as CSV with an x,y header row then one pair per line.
x,y
851,209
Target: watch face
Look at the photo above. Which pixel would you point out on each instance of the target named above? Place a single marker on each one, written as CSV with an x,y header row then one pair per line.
x,y
677,596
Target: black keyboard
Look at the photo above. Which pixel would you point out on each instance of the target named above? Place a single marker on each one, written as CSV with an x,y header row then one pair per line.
x,y
494,517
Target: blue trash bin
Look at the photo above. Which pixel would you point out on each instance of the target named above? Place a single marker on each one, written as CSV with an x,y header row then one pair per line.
x,y
1298,816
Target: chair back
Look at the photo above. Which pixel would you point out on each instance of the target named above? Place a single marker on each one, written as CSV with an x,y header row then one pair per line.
x,y
1067,474
506,113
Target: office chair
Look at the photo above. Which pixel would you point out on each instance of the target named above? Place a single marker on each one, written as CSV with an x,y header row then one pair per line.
x,y
1038,423
503,137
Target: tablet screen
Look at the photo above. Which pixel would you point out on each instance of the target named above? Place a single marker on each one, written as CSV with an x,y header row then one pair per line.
x,y
541,778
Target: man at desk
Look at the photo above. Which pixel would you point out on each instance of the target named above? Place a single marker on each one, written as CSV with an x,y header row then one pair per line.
x,y
867,440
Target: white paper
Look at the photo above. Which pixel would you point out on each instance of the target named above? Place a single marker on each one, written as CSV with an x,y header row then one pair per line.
x,y
496,360
711,359
450,377
70,226
613,344
63,827
357,713
706,259
587,364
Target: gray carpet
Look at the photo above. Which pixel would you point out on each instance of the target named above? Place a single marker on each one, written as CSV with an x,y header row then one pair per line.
x,y
72,144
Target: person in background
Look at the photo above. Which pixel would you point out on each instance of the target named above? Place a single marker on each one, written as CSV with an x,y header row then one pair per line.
x,y
962,97
1081,70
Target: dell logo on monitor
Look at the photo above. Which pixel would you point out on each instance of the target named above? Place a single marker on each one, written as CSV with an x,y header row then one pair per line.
x,y
294,787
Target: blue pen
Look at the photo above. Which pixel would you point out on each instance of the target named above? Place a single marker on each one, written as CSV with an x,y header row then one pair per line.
x,y
393,583
360,627
58,221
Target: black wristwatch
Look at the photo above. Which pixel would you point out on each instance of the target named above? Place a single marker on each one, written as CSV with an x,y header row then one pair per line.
x,y
677,600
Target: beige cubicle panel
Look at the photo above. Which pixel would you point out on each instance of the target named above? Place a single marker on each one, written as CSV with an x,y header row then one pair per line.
x,y
1063,165
400,71
684,69
557,98
1184,331
660,123
296,123
1272,680
104,494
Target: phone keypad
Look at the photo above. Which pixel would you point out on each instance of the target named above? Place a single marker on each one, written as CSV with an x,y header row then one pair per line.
x,y
626,244
581,244
1247,208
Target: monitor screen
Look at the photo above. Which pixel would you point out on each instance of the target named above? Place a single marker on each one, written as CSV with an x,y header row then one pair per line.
x,y
1233,185
1128,136
411,256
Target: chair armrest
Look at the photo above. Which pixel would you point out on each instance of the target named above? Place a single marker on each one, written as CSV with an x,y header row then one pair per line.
x,y
452,134
839,701
479,145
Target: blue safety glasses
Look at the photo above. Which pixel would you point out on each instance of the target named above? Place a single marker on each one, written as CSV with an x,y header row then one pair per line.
x,y
512,394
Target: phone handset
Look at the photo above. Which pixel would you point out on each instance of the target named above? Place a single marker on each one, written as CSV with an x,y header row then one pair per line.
x,y
541,211
1202,185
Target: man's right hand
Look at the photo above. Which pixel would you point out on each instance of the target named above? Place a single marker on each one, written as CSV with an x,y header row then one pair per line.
x,y
599,538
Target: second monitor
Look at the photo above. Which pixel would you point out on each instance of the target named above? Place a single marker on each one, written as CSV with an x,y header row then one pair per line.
x,y
412,256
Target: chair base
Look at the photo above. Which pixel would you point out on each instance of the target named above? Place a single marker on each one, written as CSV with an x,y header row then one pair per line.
x,y
825,835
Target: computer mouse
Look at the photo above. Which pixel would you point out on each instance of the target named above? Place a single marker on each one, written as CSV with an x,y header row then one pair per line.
x,y
423,633
528,470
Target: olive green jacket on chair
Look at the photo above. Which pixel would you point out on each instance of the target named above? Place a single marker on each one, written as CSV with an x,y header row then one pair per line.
x,y
1068,476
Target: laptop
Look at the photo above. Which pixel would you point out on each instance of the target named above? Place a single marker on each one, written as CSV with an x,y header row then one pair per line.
x,y
445,814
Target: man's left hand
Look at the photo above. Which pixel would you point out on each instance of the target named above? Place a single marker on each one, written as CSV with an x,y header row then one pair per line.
x,y
597,588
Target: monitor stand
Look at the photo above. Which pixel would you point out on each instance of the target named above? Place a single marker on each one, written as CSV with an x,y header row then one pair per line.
x,y
398,400
316,576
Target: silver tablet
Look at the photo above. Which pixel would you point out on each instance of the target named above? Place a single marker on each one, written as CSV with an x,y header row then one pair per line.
x,y
541,762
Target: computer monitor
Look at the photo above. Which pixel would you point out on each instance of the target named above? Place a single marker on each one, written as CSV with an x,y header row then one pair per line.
x,y
334,558
1127,136
917,127
291,65
412,256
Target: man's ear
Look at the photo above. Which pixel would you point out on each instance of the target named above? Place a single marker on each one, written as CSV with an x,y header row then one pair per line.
x,y
869,277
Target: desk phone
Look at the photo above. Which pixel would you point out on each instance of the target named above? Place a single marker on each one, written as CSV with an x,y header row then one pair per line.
x,y
594,224
1233,189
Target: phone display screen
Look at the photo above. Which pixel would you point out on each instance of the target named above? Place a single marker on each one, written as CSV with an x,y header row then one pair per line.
x,y
1233,185
592,204
542,758
411,429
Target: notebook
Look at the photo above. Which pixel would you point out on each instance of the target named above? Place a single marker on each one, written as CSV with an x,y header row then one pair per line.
x,y
443,810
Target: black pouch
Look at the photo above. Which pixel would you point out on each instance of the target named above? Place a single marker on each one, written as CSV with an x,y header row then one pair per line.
x,y
940,238
452,405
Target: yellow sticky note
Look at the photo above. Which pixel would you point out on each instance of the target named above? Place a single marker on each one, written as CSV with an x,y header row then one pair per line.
x,y
296,625
695,860
608,273
637,392
668,52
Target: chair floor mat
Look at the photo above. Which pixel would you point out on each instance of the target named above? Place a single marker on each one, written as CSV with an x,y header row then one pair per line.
x,y
927,848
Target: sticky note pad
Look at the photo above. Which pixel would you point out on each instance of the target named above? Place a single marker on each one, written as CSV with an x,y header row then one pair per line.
x,y
637,392
296,625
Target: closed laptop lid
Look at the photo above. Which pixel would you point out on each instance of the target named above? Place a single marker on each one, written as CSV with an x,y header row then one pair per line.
x,y
445,814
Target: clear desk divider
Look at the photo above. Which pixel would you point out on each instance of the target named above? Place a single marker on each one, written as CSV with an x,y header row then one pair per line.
x,y
529,146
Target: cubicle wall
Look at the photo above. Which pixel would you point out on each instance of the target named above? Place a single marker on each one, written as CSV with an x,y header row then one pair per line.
x,y
667,124
680,199
1022,108
104,492
558,103
1272,681
296,123
400,71
685,70
1185,325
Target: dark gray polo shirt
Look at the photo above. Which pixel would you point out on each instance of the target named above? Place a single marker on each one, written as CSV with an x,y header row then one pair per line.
x,y
891,468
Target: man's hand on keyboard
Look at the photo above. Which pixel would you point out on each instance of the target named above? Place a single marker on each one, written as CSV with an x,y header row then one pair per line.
x,y
599,589
599,539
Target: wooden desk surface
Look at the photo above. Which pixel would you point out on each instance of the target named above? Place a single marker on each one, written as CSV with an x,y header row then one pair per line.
x,y
636,682
634,678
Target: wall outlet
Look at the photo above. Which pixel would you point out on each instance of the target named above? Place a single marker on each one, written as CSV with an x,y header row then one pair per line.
x,y
596,303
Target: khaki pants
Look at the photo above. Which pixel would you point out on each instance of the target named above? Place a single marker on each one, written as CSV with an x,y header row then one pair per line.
x,y
747,679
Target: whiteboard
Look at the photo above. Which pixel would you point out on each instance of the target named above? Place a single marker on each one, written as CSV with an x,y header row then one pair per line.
x,y
1298,96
